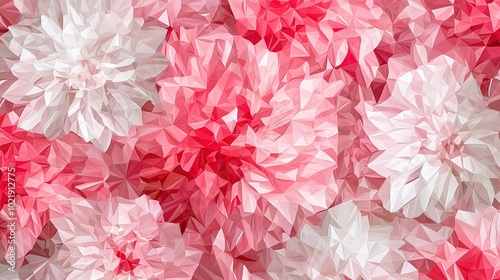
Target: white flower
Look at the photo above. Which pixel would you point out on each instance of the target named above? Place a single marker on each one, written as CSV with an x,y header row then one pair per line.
x,y
345,243
439,140
83,66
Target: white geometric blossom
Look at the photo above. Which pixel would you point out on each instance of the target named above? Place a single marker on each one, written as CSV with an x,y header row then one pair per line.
x,y
83,66
439,142
345,243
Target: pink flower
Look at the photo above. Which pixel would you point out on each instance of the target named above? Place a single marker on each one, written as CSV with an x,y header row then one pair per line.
x,y
239,145
123,239
438,141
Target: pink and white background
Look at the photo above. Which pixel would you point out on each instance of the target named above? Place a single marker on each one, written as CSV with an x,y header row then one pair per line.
x,y
251,139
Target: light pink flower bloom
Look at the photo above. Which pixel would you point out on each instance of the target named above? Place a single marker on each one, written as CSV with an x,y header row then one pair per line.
x,y
83,66
438,139
123,239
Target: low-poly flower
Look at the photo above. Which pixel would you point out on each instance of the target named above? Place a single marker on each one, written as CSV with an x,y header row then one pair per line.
x,y
345,243
439,142
85,67
240,145
123,239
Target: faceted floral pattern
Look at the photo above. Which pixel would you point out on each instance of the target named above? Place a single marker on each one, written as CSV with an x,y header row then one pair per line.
x,y
85,67
118,239
249,139
343,244
439,141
